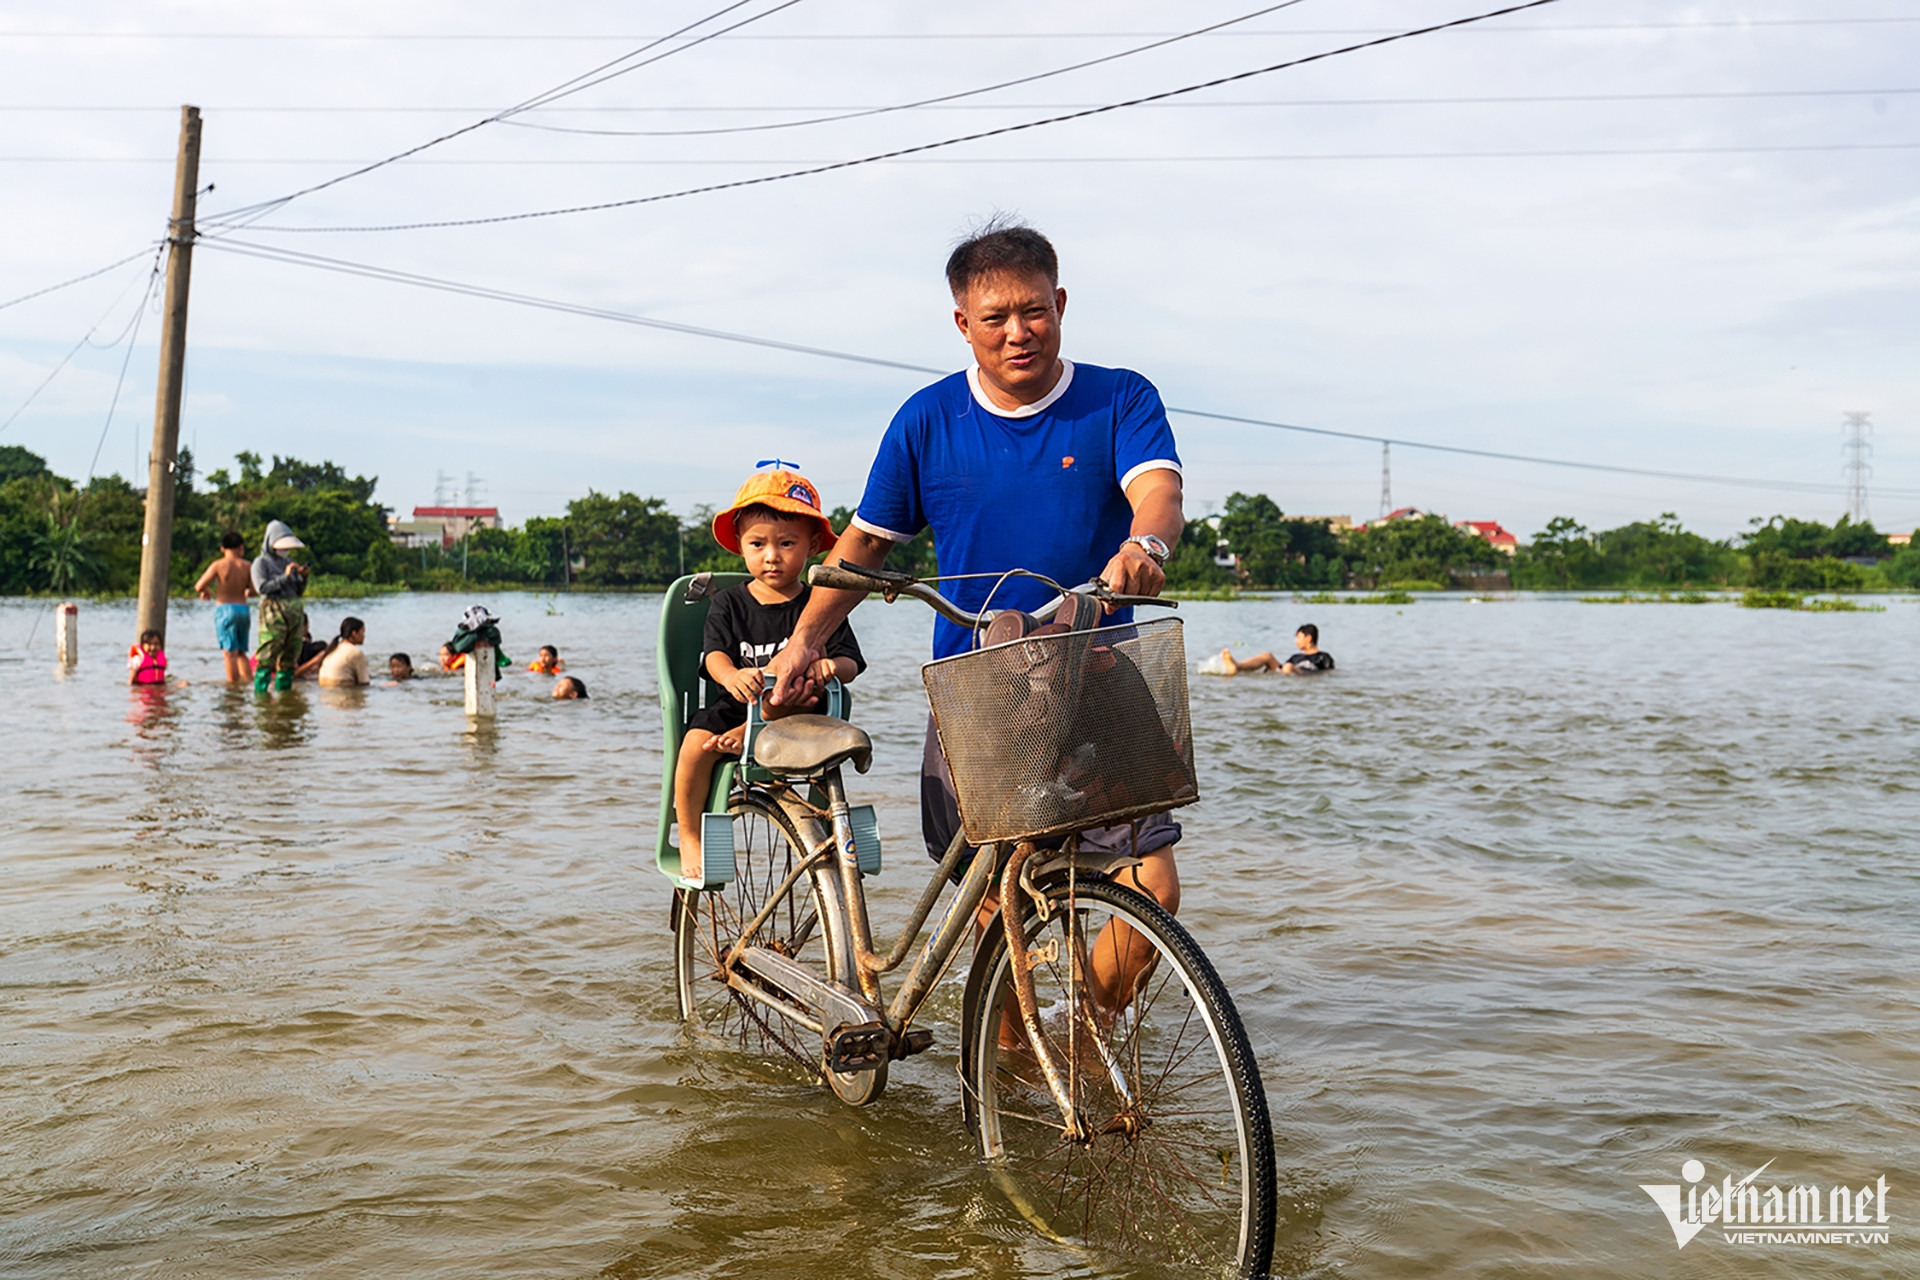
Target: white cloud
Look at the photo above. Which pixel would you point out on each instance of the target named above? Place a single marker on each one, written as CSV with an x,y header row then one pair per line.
x,y
1696,312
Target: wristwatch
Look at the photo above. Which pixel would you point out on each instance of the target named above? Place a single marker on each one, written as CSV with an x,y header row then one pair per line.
x,y
1152,546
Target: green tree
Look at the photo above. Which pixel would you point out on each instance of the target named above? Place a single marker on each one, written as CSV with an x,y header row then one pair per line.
x,y
64,558
1192,565
1419,549
1660,553
624,540
1561,555
1787,538
16,463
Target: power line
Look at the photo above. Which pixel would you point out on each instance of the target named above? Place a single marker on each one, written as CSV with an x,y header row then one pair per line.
x,y
369,37
368,271
599,75
1798,486
1271,157
948,142
86,339
342,267
1704,95
55,288
922,102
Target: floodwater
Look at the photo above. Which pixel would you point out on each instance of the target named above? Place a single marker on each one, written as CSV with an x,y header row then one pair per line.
x,y
1526,905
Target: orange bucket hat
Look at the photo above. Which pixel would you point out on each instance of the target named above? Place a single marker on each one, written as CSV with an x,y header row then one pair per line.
x,y
788,492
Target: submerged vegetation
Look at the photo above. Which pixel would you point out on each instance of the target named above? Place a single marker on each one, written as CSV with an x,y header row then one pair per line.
x,y
1659,597
1761,599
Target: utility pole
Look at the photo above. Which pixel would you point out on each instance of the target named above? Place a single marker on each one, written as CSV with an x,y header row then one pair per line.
x,y
1386,478
1858,450
156,541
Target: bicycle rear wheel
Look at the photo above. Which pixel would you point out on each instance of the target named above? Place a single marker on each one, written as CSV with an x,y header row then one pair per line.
x,y
802,927
1177,1167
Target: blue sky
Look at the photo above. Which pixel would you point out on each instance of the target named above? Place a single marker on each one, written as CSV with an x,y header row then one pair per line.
x,y
1676,236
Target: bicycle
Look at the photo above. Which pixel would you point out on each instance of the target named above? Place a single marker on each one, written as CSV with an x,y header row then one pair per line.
x,y
1116,1097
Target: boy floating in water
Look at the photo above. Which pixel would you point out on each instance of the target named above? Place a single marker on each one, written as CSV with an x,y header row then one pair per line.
x,y
775,525
228,582
1308,661
548,663
570,687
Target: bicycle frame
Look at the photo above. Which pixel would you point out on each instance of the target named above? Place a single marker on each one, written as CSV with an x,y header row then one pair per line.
x,y
861,1024
827,837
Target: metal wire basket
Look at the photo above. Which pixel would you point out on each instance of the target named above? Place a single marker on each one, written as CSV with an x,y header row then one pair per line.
x,y
1059,733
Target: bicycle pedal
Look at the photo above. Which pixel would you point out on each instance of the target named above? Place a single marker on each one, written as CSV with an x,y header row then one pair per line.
x,y
918,1040
858,1047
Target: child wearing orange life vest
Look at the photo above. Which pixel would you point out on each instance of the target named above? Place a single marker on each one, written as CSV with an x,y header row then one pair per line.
x,y
146,664
548,663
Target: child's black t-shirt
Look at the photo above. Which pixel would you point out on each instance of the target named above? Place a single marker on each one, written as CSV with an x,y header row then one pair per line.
x,y
750,633
1318,661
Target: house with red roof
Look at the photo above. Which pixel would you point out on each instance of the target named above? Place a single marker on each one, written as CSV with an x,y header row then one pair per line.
x,y
1497,537
444,525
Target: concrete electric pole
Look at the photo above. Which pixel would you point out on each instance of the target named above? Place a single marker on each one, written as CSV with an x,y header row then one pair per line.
x,y
156,542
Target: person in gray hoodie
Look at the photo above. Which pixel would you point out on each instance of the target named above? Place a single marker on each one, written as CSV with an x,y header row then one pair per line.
x,y
280,582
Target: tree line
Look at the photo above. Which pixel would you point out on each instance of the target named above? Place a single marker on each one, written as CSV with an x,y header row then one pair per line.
x,y
1264,548
59,537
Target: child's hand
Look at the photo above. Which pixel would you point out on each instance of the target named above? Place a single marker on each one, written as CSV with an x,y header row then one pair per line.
x,y
823,670
744,685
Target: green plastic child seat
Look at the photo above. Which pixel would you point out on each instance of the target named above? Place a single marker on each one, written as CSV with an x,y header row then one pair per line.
x,y
683,621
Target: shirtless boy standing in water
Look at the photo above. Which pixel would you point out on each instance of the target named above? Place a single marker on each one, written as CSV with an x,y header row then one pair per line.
x,y
231,581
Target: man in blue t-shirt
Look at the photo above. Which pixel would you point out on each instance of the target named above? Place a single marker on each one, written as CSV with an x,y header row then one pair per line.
x,y
1024,461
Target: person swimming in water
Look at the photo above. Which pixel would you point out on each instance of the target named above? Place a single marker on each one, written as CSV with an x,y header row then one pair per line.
x,y
1309,660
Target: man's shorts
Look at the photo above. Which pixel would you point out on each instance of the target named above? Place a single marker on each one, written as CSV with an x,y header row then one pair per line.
x,y
230,623
940,816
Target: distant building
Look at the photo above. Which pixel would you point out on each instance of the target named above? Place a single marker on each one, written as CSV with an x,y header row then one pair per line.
x,y
1498,538
444,525
1403,513
411,534
1222,550
1339,524
1900,539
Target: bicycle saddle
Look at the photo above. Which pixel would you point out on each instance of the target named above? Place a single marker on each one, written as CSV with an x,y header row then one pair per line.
x,y
804,745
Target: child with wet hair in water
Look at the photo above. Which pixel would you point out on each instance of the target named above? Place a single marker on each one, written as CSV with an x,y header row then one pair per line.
x,y
775,525
146,661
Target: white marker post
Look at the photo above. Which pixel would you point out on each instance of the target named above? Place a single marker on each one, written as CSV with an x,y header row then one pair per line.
x,y
480,674
66,632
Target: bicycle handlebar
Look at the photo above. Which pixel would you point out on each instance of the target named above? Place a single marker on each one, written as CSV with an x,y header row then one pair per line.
x,y
893,584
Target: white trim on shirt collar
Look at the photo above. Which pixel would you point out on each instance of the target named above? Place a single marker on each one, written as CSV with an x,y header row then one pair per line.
x,y
1025,410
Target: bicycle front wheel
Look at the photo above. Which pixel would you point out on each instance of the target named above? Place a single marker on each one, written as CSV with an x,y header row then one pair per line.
x,y
1175,1162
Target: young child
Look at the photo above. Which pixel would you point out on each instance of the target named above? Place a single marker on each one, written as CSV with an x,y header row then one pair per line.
x,y
399,667
774,524
146,664
229,580
548,663
570,687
